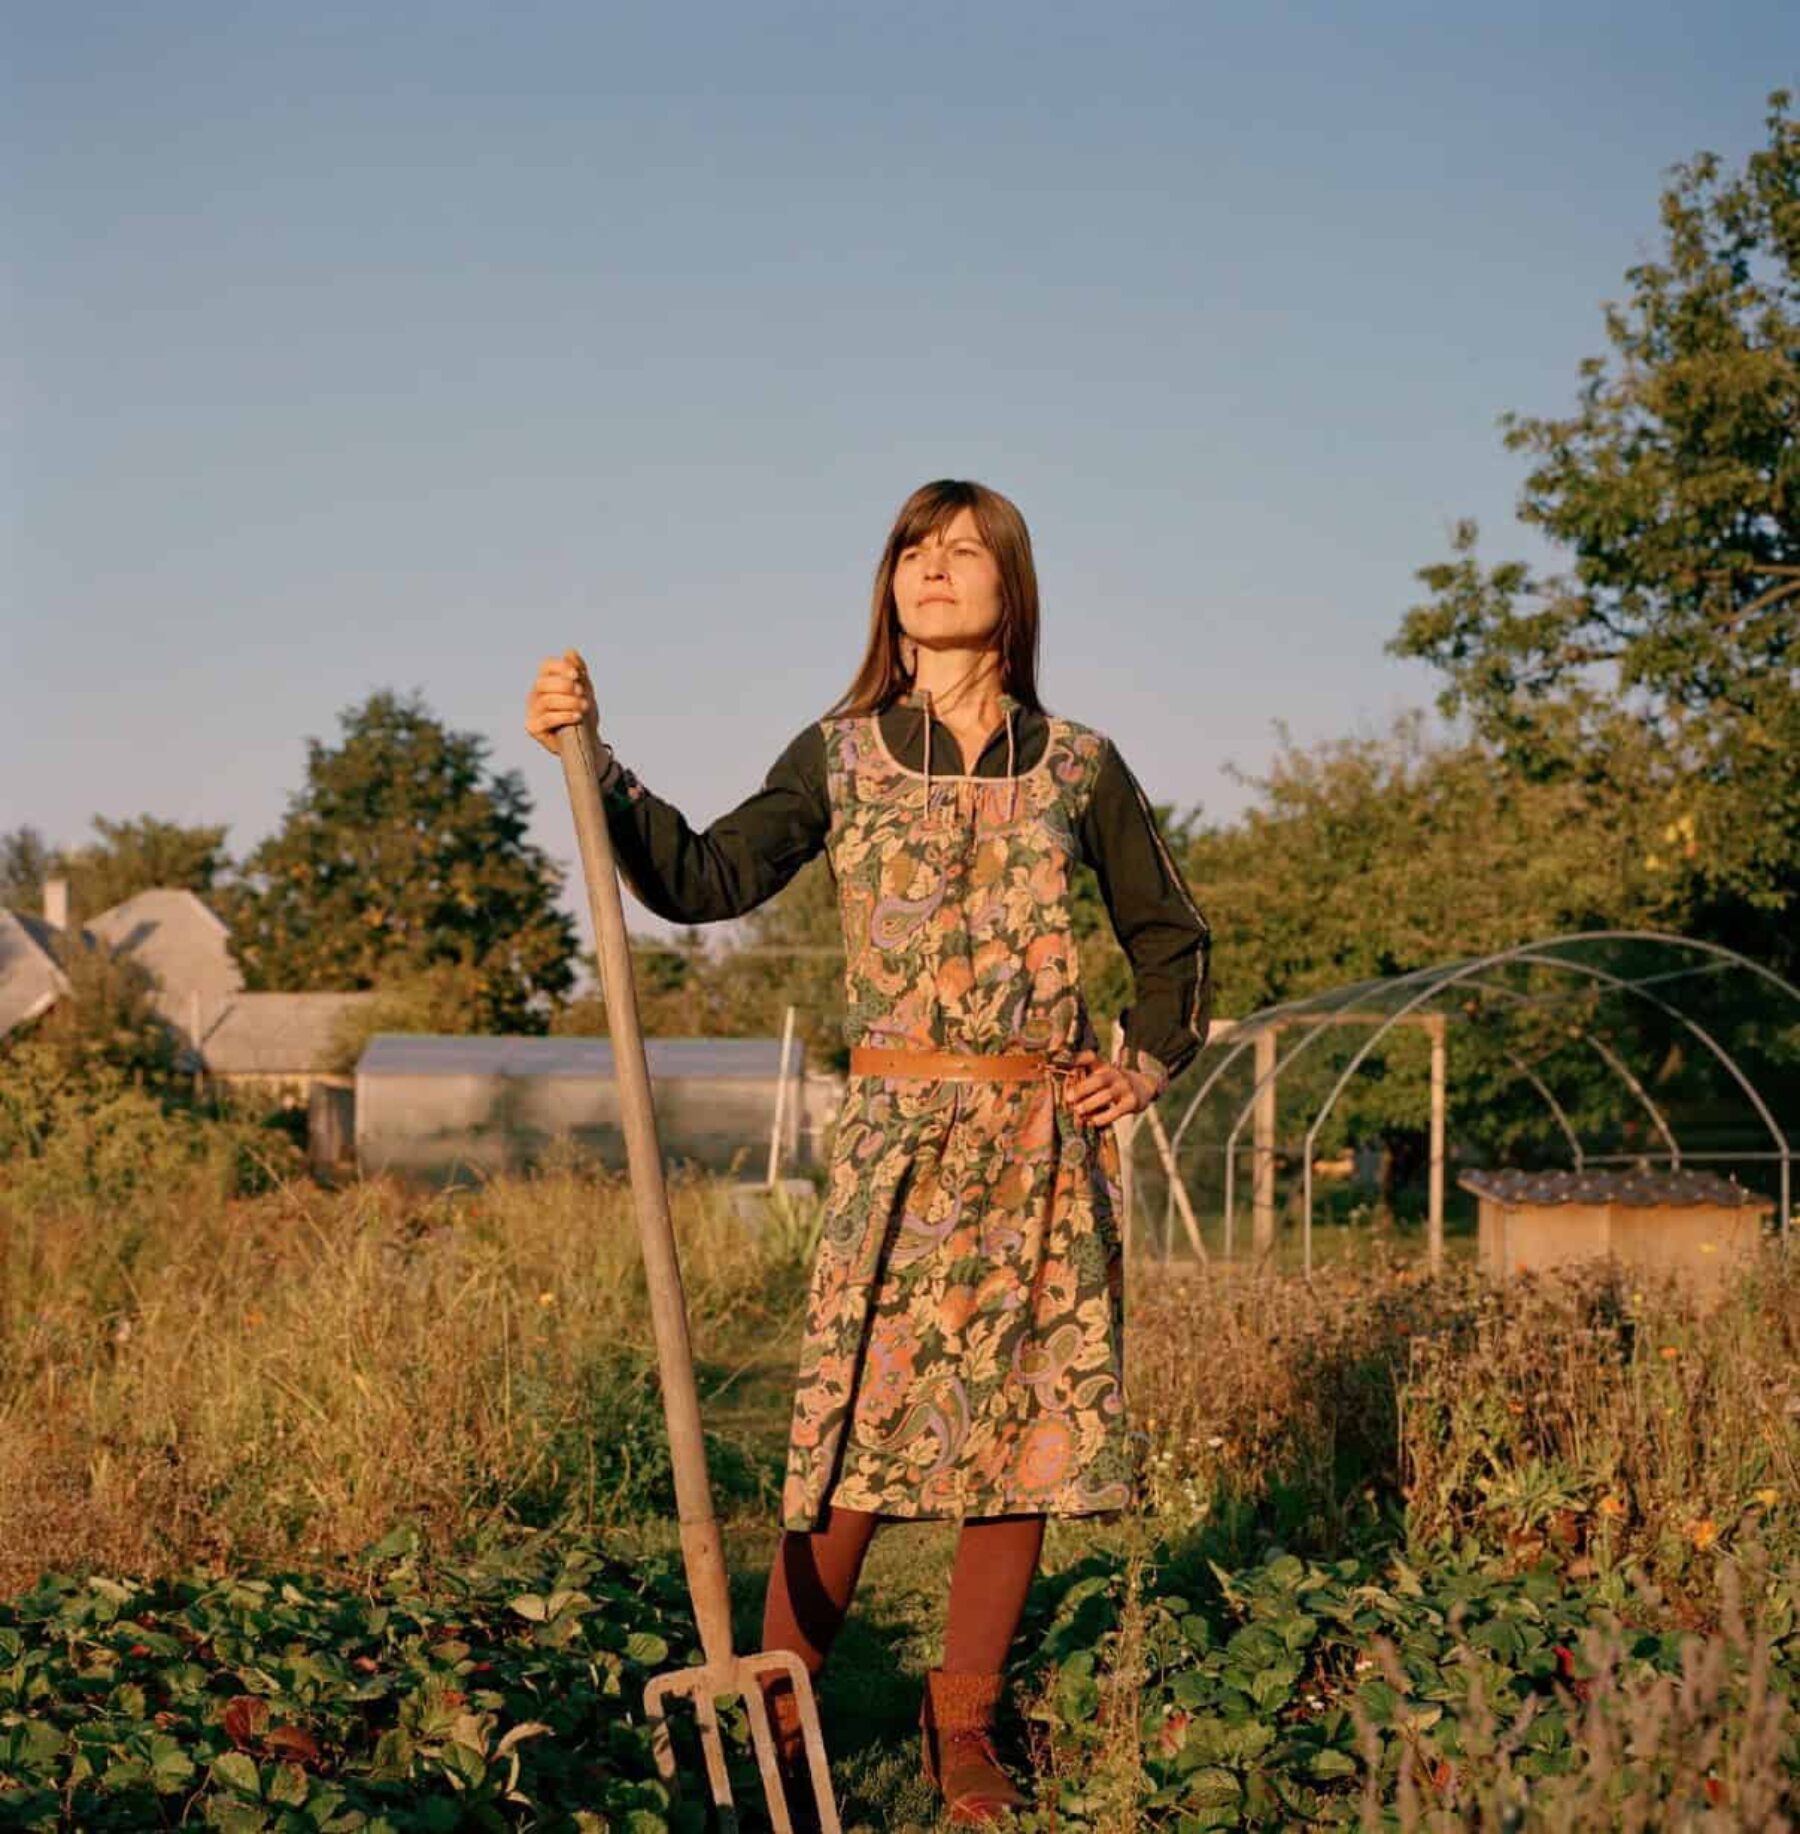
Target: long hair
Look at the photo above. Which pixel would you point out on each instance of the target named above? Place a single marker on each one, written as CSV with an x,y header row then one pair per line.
x,y
882,678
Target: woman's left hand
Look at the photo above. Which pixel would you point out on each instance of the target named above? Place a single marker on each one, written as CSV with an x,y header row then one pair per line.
x,y
1108,1092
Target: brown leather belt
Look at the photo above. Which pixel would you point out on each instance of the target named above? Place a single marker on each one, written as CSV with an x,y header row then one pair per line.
x,y
954,1066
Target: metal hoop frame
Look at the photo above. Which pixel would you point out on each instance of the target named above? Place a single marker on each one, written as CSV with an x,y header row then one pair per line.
x,y
1423,985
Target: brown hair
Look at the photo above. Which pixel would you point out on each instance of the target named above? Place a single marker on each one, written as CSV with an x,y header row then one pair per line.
x,y
931,508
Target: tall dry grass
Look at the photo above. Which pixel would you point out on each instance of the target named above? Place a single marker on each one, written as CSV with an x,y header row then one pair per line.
x,y
197,1377
1626,1429
186,1375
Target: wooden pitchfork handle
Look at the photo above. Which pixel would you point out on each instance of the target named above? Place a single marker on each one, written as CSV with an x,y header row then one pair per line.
x,y
702,1547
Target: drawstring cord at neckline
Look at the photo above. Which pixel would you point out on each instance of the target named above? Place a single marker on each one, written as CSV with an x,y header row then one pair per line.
x,y
1012,781
927,756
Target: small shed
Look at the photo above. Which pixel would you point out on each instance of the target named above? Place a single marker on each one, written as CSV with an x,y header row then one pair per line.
x,y
435,1106
1695,1224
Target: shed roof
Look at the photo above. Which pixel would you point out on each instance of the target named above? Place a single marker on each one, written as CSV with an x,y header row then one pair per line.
x,y
1636,1188
436,1054
30,978
278,1034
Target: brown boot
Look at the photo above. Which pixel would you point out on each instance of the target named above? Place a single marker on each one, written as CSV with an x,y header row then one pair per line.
x,y
957,1724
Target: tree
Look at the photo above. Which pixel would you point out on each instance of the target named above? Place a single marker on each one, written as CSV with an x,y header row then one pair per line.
x,y
1661,664
445,997
1373,856
129,857
791,951
26,861
402,855
135,856
106,1022
1370,857
675,996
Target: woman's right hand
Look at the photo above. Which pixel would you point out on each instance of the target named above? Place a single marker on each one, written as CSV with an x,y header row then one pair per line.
x,y
561,696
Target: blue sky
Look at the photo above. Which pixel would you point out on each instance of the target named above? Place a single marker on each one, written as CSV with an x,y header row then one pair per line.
x,y
348,347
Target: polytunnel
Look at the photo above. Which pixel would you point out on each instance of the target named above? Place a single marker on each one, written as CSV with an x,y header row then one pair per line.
x,y
1622,1048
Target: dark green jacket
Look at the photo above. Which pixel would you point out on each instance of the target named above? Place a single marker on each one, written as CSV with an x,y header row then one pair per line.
x,y
750,853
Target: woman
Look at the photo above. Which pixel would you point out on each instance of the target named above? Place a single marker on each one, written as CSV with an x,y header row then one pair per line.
x,y
963,1352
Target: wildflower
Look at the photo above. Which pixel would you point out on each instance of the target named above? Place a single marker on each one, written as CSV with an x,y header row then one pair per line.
x,y
1174,1731
546,1299
1767,1498
1703,1533
1610,1505
253,1318
1669,1352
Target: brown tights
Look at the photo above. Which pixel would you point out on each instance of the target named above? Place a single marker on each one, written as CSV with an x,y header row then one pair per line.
x,y
814,1578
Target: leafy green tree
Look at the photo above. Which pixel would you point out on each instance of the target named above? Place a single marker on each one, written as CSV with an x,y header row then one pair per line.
x,y
1660,663
1365,858
1373,856
445,997
135,856
105,1022
400,856
789,950
675,995
793,951
127,858
26,861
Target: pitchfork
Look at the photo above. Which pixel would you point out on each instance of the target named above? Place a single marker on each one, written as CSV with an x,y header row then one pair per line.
x,y
702,1549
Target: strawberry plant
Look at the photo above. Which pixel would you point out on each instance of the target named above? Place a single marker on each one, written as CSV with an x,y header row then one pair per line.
x,y
387,1695
1293,1693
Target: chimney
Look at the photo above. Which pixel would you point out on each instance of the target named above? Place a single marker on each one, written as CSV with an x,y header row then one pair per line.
x,y
56,903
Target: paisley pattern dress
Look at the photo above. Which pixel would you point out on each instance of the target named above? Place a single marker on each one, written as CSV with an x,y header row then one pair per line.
x,y
963,1351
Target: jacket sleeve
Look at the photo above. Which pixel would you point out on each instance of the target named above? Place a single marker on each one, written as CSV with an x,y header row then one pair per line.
x,y
1166,940
743,858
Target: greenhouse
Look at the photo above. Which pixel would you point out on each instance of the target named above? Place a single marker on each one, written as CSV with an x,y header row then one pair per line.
x,y
1605,1049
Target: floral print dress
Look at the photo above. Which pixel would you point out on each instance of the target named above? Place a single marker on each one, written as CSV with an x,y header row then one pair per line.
x,y
963,1350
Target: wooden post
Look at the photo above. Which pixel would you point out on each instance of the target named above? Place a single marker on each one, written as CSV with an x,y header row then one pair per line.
x,y
1262,1146
1178,1197
1434,1220
781,1083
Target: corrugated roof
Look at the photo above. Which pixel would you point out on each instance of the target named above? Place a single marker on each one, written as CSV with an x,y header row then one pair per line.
x,y
30,980
435,1054
278,1034
1611,1187
185,947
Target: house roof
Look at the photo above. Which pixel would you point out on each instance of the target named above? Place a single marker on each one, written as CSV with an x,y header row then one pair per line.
x,y
183,945
278,1034
436,1054
30,979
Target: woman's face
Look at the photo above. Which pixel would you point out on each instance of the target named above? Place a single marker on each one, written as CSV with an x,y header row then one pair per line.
x,y
947,587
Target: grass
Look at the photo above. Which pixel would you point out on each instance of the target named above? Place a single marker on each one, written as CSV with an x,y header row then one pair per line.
x,y
197,1383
